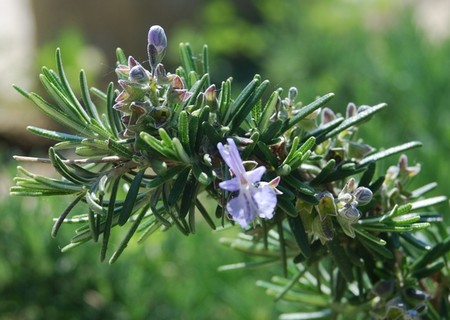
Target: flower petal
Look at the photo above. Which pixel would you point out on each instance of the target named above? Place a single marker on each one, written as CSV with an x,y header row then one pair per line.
x,y
230,155
242,209
255,174
230,185
266,200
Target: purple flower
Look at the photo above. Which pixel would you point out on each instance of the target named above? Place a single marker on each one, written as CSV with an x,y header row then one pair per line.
x,y
254,199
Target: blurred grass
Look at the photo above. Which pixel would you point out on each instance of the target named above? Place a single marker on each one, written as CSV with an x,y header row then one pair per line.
x,y
168,277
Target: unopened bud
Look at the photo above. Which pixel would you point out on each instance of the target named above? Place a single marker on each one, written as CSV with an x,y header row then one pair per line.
x,y
157,43
363,195
210,93
327,115
351,110
292,93
139,75
349,212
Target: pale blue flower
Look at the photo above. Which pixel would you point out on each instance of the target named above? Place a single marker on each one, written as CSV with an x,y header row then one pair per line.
x,y
254,199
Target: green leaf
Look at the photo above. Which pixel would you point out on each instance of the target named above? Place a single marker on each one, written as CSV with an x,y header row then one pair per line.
x,y
427,202
64,215
156,145
64,170
124,243
57,114
205,63
119,149
272,131
187,58
268,156
428,270
109,218
41,182
178,186
307,145
242,112
183,129
161,179
195,89
240,100
306,110
121,57
62,101
114,123
299,185
268,110
68,90
193,131
423,190
90,106
389,152
415,242
358,118
367,176
321,132
322,314
202,173
225,98
363,233
326,171
211,133
342,261
190,193
298,230
205,214
438,251
130,199
247,265
292,150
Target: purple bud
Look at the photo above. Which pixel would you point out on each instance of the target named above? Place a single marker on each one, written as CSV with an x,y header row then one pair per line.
x,y
139,75
157,37
327,115
363,195
210,93
351,110
157,43
350,213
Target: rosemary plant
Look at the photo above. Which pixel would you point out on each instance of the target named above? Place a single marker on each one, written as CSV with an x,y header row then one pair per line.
x,y
303,188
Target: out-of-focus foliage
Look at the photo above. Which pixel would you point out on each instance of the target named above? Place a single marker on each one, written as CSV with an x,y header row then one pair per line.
x,y
79,55
37,281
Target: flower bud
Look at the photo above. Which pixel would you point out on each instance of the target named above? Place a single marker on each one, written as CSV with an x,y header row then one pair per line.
x,y
157,43
363,195
350,213
327,115
139,75
351,110
210,94
293,92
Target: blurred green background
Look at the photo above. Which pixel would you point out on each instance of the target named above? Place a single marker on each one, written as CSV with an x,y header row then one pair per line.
x,y
366,53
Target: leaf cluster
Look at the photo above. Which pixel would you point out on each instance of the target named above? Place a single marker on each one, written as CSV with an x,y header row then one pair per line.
x,y
151,175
